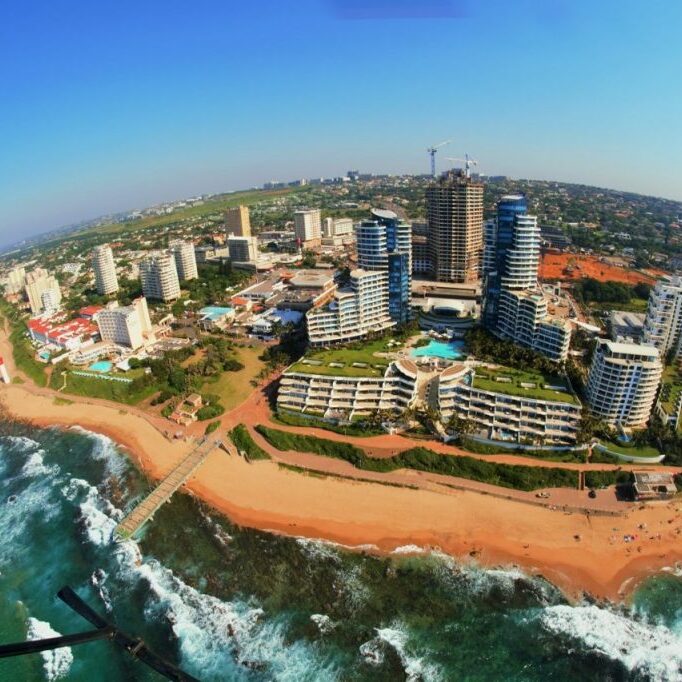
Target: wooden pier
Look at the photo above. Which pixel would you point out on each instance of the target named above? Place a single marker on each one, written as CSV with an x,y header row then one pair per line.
x,y
146,509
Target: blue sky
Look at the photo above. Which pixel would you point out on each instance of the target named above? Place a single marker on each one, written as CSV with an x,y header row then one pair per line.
x,y
110,106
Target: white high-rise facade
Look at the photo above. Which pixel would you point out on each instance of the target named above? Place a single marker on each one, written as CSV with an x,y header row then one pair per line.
x,y
105,270
42,291
523,256
354,312
185,260
623,382
337,227
308,226
159,277
15,280
663,323
128,325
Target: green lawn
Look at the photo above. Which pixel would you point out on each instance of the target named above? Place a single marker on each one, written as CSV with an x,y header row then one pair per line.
x,y
487,380
362,353
671,387
94,387
234,387
634,451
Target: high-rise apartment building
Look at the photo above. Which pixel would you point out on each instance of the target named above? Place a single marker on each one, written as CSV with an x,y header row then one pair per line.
x,y
105,270
663,322
126,325
42,291
354,312
185,260
622,383
515,308
238,221
308,227
385,243
15,280
337,227
454,211
242,249
160,277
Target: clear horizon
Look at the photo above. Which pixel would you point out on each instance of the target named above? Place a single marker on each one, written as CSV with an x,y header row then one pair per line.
x,y
104,114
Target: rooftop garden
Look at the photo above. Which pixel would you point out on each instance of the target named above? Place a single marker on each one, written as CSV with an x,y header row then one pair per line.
x,y
355,360
631,450
525,383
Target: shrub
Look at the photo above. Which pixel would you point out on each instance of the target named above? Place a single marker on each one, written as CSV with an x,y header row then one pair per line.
x,y
213,426
244,443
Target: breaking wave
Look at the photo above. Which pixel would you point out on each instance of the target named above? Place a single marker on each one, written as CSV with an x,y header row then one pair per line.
x,y
56,662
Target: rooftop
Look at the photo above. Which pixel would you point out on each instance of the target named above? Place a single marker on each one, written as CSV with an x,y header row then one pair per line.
x,y
524,383
351,362
631,348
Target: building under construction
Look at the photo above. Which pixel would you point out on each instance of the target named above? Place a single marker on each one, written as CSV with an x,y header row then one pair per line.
x,y
454,210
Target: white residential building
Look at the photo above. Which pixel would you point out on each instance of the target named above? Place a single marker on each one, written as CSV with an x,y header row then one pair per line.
x,y
42,291
105,270
354,312
308,227
243,249
15,280
623,381
523,256
126,325
522,317
160,277
337,227
185,260
663,323
489,245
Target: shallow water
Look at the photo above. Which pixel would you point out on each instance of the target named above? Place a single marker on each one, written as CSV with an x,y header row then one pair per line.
x,y
232,604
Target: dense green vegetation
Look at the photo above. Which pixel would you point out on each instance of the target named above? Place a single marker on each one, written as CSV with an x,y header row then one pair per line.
x,y
588,290
22,350
531,384
551,455
213,426
244,443
484,346
504,475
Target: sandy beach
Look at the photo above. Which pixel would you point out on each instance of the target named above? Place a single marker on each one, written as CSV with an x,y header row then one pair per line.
x,y
576,552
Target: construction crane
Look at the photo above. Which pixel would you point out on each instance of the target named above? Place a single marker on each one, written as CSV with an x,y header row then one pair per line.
x,y
432,151
468,163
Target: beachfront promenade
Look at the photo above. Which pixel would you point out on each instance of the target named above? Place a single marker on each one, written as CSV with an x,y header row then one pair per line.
x,y
179,475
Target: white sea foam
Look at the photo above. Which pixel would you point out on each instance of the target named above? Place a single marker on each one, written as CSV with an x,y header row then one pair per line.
x,y
416,669
56,662
409,549
324,623
395,636
22,441
650,650
319,549
104,449
98,580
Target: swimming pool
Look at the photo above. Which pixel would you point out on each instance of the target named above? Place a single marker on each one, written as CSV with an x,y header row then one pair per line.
x,y
101,366
453,350
215,312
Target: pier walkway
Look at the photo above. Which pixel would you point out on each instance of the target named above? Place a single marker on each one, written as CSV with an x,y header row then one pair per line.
x,y
146,509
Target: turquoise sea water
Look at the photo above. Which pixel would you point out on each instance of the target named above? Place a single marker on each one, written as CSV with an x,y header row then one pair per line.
x,y
452,350
232,604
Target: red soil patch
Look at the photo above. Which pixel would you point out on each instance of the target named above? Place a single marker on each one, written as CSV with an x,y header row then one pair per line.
x,y
569,266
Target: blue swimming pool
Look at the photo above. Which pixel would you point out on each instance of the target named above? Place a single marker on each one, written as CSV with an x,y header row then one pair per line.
x,y
101,366
215,312
452,350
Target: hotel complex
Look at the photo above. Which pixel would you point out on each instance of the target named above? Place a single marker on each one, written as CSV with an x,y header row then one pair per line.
x,y
126,325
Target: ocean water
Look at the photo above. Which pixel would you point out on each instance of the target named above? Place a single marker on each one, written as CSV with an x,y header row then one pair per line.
x,y
231,604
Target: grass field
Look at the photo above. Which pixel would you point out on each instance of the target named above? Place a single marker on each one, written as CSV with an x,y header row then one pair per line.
x,y
214,206
234,387
487,379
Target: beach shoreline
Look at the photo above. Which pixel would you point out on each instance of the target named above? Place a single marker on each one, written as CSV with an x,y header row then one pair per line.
x,y
577,553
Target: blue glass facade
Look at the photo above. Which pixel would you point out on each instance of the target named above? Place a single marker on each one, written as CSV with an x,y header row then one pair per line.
x,y
396,259
507,209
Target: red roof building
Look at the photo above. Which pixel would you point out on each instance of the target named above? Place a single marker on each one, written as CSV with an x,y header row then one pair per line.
x,y
69,335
